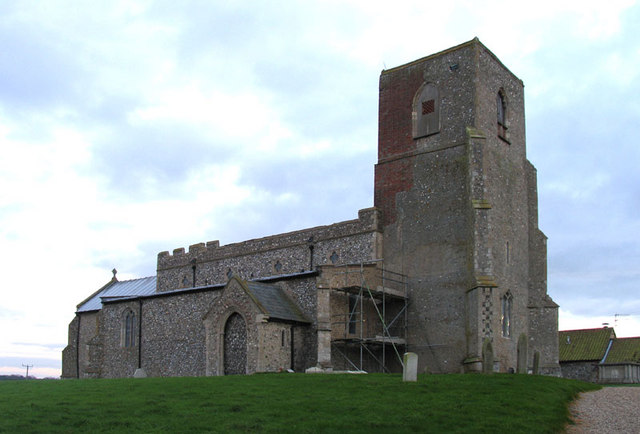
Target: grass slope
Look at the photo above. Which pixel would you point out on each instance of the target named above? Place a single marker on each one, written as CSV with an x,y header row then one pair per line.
x,y
291,403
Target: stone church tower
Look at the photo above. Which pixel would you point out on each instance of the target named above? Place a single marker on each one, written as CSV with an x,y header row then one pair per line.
x,y
458,199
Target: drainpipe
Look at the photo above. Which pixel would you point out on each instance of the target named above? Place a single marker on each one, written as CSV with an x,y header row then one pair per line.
x,y
292,355
606,353
310,244
193,268
139,333
78,347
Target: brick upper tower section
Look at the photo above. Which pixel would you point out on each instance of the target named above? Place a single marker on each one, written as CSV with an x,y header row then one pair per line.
x,y
424,106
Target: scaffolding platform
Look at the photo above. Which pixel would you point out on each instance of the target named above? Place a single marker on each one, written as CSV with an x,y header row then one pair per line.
x,y
377,340
378,291
370,316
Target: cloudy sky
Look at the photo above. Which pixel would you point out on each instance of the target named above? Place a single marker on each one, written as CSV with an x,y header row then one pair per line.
x,y
132,127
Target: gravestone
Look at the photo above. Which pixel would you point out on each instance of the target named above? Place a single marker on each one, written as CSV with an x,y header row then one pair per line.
x,y
487,357
410,371
140,373
522,354
536,363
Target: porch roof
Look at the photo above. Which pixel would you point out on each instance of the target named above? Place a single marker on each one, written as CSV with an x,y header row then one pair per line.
x,y
273,301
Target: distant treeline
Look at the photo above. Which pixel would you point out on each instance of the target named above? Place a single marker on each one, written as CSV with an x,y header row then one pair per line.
x,y
21,377
14,377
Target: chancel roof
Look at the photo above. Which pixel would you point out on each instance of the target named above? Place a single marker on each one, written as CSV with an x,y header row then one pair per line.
x,y
584,345
274,302
116,289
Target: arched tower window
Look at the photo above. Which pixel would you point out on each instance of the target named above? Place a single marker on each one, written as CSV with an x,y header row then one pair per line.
x,y
501,104
507,307
426,111
129,330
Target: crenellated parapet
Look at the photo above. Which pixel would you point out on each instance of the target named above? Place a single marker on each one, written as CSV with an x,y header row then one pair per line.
x,y
293,252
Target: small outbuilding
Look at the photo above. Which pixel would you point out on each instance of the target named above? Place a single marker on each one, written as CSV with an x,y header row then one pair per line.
x,y
598,356
622,362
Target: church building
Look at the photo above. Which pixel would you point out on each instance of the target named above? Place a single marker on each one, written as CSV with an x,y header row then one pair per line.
x,y
449,263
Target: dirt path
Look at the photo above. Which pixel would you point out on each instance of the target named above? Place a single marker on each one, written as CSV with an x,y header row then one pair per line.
x,y
608,410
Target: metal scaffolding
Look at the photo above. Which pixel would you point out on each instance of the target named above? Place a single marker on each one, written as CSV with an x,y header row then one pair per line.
x,y
375,314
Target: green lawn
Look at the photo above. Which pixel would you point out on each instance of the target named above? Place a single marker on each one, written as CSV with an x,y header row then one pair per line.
x,y
290,403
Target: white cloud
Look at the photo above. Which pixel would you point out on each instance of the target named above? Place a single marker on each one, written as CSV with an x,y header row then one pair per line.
x,y
625,325
228,118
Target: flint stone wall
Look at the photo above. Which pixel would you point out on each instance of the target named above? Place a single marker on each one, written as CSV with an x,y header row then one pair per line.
x,y
346,242
172,336
451,202
233,300
235,345
303,292
274,347
584,371
89,347
69,354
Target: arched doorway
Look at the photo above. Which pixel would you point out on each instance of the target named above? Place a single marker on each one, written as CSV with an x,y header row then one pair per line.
x,y
235,345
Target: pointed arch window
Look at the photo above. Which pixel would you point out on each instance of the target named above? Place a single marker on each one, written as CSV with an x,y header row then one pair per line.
x,y
501,106
507,307
129,327
426,111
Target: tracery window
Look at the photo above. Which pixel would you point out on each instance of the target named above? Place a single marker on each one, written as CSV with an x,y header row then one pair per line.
x,y
129,330
507,306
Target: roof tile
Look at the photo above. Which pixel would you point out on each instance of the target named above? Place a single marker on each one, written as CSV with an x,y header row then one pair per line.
x,y
276,302
584,345
624,350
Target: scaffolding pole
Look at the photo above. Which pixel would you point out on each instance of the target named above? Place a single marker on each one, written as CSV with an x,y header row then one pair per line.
x,y
363,289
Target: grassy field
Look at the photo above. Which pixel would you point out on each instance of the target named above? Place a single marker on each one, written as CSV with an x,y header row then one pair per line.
x,y
290,403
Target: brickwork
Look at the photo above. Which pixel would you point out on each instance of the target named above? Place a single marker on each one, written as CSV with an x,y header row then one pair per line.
x,y
394,177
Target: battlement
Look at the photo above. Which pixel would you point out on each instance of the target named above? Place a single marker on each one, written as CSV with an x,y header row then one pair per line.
x,y
367,221
291,252
193,249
